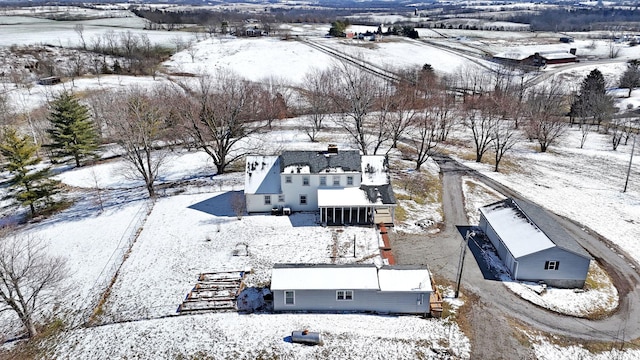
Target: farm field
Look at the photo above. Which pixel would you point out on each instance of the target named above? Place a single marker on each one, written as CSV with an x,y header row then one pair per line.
x,y
163,245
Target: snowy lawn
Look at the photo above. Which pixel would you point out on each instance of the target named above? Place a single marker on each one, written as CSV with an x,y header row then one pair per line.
x,y
266,336
186,235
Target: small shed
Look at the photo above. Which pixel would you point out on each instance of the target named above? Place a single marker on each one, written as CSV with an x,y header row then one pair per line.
x,y
533,245
354,287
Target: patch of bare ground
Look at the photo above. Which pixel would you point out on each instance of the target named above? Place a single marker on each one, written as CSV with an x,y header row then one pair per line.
x,y
491,333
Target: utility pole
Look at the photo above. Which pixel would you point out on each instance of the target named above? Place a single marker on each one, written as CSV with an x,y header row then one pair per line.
x,y
463,253
633,147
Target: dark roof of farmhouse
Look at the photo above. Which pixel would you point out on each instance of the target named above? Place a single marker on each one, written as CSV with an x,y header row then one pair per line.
x,y
347,160
384,191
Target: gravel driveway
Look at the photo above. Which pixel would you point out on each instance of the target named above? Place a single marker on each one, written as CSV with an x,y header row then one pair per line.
x,y
491,313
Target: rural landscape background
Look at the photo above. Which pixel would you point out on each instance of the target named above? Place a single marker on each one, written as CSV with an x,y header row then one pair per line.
x,y
174,96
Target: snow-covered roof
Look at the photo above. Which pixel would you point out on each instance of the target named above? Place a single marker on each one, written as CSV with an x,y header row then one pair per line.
x,y
324,277
526,228
397,279
297,169
351,277
374,170
512,55
335,197
521,236
262,175
554,231
557,55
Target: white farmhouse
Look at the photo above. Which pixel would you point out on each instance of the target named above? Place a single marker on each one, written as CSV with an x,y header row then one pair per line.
x,y
346,187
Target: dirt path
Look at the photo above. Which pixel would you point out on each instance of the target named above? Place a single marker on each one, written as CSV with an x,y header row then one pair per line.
x,y
495,307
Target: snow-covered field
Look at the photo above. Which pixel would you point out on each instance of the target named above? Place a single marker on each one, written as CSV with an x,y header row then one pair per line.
x,y
192,229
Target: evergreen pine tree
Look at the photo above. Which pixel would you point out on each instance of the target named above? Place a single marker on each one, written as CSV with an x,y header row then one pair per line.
x,y
72,133
593,101
29,184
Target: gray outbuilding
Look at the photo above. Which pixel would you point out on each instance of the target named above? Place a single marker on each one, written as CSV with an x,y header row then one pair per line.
x,y
357,288
532,245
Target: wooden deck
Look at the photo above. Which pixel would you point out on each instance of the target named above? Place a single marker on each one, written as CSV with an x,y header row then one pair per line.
x,y
383,216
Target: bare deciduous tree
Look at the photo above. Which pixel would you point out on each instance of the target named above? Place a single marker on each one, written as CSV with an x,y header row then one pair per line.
x,y
354,96
272,96
137,127
383,115
546,107
585,129
315,93
422,139
217,116
619,129
481,115
505,136
31,281
79,29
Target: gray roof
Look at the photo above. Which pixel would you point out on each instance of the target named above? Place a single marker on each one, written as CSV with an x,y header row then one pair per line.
x,y
550,227
348,160
385,191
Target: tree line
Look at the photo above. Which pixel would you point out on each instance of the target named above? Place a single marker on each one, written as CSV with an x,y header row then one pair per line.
x,y
580,19
222,114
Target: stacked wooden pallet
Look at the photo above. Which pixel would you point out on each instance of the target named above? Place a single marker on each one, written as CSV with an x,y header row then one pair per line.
x,y
214,291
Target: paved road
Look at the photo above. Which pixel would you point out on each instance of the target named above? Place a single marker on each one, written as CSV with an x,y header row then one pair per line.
x,y
496,305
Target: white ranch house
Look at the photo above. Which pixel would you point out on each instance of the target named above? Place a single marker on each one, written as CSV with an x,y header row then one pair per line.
x,y
344,186
533,245
355,287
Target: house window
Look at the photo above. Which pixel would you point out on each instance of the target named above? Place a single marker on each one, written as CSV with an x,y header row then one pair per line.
x,y
344,295
303,199
281,198
349,180
267,199
305,180
552,265
287,179
323,180
336,181
289,297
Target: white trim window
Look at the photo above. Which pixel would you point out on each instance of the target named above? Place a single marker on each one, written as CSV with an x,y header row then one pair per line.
x,y
303,199
344,295
336,181
267,199
349,180
323,181
305,181
289,297
552,265
288,179
281,198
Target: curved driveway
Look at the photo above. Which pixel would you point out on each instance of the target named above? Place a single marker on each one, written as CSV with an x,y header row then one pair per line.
x,y
492,334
